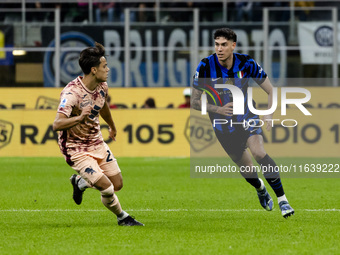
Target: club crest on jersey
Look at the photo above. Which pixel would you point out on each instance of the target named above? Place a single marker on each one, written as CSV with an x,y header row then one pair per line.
x,y
240,74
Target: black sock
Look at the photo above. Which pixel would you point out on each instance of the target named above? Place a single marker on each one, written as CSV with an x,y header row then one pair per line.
x,y
255,182
271,174
252,178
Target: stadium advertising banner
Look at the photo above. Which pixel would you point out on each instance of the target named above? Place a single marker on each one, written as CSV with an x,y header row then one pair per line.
x,y
26,118
160,55
139,133
167,132
316,42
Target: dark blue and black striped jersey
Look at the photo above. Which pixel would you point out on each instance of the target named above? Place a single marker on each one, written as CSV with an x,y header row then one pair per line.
x,y
209,72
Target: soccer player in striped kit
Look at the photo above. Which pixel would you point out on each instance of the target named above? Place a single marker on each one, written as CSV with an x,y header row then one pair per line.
x,y
227,67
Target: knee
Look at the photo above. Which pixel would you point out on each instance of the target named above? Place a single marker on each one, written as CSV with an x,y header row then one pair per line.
x,y
118,186
107,192
258,155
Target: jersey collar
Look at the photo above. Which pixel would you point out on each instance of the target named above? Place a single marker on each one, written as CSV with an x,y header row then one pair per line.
x,y
83,85
224,68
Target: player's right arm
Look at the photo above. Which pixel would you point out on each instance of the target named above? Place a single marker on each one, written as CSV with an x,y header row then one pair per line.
x,y
226,110
62,122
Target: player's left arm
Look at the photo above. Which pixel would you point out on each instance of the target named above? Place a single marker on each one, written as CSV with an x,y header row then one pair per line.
x,y
268,88
106,115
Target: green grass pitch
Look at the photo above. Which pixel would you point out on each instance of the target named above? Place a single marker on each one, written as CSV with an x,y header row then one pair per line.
x,y
182,215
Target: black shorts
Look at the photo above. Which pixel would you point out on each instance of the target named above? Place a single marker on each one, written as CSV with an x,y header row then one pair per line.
x,y
235,143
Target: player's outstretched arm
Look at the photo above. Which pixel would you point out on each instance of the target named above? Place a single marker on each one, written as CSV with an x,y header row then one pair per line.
x,y
62,122
196,99
106,115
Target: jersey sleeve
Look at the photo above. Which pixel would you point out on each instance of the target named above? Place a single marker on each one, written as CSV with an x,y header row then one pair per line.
x,y
256,71
200,75
67,102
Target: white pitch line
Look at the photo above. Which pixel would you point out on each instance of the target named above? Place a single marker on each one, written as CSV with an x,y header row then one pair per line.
x,y
322,210
162,210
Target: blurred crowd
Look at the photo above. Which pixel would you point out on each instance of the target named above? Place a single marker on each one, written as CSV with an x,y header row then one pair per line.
x,y
238,10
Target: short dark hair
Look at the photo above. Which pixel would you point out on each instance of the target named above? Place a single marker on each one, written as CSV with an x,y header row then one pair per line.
x,y
227,33
90,57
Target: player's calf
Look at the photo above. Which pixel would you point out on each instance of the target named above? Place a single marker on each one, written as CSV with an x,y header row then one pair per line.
x,y
110,200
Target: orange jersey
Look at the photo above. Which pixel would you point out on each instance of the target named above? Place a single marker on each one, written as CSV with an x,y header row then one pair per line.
x,y
85,136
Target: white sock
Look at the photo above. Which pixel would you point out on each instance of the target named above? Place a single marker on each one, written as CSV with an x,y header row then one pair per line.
x,y
282,198
82,184
122,215
262,185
